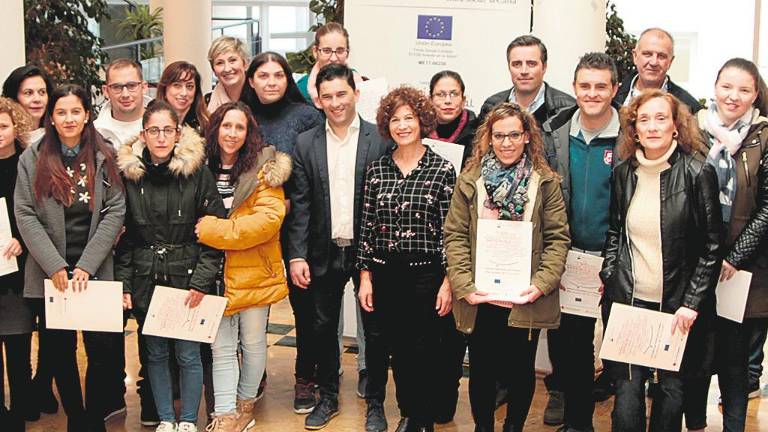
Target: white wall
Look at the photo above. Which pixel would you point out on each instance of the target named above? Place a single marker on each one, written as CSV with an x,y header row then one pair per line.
x,y
12,35
706,32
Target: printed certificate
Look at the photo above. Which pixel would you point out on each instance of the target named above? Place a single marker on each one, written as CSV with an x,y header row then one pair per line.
x,y
503,259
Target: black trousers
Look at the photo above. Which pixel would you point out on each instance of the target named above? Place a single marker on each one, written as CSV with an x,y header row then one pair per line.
x,y
732,367
503,354
19,369
304,319
100,348
573,364
404,294
327,292
449,369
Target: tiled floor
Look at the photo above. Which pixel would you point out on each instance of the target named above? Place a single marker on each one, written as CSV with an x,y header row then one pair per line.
x,y
274,412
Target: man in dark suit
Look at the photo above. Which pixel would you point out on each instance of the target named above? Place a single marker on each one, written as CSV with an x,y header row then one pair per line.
x,y
326,192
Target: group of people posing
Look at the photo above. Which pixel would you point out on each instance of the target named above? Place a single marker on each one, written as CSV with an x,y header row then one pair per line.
x,y
267,188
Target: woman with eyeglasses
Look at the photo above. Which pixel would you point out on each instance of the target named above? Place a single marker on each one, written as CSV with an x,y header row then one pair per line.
x,y
507,178
168,188
331,46
69,207
179,86
455,123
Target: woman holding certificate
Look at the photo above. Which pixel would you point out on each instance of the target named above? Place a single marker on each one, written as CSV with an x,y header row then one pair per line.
x,y
16,321
662,250
506,179
737,132
69,207
249,175
168,188
455,123
401,256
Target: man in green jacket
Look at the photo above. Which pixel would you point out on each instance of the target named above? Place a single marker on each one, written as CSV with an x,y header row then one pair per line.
x,y
580,144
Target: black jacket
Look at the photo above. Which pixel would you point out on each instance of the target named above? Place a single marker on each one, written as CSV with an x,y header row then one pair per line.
x,y
745,235
554,101
307,226
691,225
164,203
467,135
673,89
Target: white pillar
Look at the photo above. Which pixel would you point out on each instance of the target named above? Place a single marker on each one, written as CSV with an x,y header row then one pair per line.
x,y
187,34
12,35
579,29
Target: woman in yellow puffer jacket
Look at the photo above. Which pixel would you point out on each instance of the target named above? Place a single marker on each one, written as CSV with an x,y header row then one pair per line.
x,y
249,175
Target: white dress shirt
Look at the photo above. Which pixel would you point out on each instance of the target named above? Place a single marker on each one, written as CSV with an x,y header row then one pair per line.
x,y
342,156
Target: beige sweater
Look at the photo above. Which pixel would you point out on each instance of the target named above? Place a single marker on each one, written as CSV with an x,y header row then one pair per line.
x,y
644,227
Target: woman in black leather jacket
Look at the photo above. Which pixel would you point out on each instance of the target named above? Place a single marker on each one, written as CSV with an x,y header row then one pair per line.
x,y
662,249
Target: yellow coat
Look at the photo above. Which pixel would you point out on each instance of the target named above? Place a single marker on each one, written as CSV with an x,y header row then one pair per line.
x,y
254,273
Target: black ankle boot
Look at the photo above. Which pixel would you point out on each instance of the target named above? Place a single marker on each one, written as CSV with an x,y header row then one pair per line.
x,y
405,425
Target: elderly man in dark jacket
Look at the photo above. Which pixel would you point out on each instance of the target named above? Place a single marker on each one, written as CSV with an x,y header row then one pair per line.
x,y
653,56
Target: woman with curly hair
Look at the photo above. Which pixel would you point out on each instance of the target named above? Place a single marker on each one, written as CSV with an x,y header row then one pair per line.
x,y
401,256
662,250
249,176
16,322
507,178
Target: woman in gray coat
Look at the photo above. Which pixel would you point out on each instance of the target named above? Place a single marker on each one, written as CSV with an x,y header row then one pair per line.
x,y
69,208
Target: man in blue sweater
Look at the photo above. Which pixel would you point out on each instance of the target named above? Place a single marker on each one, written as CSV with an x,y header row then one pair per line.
x,y
580,144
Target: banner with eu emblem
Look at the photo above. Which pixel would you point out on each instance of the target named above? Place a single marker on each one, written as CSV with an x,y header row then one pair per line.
x,y
435,27
408,41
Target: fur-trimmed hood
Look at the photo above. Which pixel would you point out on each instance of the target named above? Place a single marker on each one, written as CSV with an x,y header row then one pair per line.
x,y
188,156
277,167
272,167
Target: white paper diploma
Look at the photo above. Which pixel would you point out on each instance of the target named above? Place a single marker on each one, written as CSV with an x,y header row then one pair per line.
x,y
6,265
732,296
451,152
169,317
97,308
503,259
580,285
371,93
642,337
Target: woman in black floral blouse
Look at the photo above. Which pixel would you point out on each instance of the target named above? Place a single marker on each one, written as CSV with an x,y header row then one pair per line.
x,y
401,256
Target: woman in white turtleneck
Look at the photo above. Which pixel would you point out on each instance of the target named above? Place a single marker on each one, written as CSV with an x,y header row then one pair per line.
x,y
662,250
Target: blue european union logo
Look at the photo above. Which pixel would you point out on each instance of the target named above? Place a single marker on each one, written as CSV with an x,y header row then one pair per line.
x,y
435,27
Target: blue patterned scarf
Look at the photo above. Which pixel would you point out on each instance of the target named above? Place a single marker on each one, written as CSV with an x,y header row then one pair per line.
x,y
725,143
507,187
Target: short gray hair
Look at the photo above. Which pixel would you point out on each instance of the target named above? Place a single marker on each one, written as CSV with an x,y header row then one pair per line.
x,y
657,30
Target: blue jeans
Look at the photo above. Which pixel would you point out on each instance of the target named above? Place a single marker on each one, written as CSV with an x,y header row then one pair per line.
x,y
757,335
629,404
191,377
248,331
